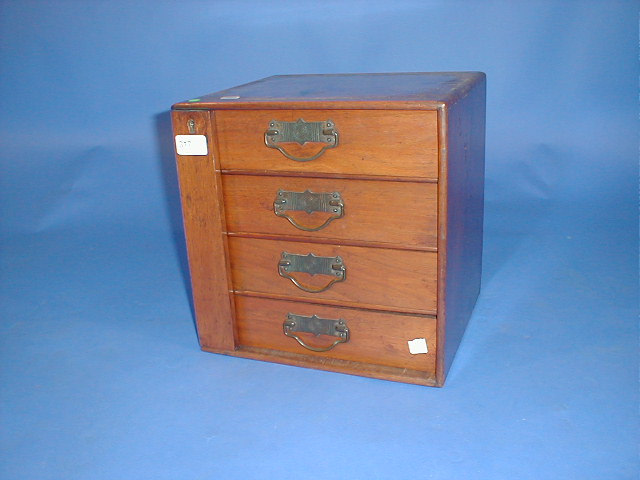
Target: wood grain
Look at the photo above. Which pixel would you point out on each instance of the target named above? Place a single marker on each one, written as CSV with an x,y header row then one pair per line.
x,y
395,142
203,212
400,280
381,372
414,90
375,338
461,207
379,178
410,164
391,213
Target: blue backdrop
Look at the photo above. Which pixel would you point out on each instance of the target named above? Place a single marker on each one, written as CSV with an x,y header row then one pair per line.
x,y
101,373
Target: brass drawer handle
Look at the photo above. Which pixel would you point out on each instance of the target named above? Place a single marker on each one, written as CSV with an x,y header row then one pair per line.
x,y
317,326
301,132
314,265
309,202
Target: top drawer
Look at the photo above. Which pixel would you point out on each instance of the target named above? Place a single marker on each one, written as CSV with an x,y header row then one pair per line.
x,y
392,143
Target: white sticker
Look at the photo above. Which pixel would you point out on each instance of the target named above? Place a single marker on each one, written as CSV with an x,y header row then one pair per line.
x,y
191,144
418,345
230,97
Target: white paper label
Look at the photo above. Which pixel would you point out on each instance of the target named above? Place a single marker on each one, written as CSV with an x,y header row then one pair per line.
x,y
191,144
418,345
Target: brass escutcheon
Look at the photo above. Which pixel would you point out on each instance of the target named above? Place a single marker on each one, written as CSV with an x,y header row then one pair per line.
x,y
301,132
309,202
318,326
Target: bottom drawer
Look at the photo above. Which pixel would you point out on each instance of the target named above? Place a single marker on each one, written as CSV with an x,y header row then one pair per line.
x,y
375,338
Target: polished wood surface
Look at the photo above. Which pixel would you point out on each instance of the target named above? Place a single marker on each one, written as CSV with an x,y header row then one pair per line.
x,y
203,212
375,338
410,168
372,370
388,143
378,178
385,213
461,227
396,279
338,91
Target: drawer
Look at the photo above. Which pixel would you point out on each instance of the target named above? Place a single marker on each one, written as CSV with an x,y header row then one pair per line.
x,y
374,337
376,278
401,154
394,213
397,143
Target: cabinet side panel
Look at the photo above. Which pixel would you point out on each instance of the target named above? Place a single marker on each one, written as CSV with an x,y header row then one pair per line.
x,y
202,208
465,209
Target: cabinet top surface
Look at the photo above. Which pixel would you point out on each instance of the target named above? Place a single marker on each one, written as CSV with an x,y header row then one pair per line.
x,y
364,90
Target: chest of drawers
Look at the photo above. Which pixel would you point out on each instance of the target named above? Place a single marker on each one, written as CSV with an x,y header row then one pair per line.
x,y
335,221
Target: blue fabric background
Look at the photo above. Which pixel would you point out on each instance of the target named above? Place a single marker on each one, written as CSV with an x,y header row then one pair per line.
x,y
101,375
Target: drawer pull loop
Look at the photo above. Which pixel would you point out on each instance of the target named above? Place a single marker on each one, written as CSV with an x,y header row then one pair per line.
x,y
317,326
314,265
309,202
301,132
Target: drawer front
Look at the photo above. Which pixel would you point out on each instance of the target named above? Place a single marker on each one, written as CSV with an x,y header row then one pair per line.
x,y
393,143
394,213
376,278
374,337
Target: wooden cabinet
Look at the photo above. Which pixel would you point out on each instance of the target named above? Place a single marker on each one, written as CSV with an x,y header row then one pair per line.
x,y
335,221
